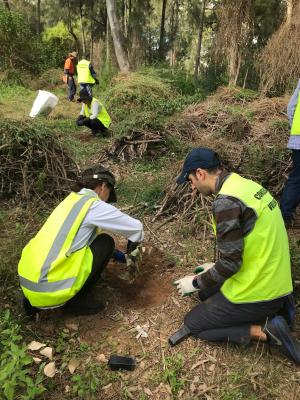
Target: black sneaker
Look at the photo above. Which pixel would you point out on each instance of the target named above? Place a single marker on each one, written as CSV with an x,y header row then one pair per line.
x,y
97,133
28,309
279,334
288,311
291,224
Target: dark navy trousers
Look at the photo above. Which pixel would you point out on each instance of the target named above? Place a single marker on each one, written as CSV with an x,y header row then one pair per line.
x,y
290,197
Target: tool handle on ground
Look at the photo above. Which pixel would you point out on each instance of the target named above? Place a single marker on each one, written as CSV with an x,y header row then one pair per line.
x,y
179,336
116,362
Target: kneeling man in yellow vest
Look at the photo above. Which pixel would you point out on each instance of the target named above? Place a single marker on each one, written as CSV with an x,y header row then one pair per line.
x,y
65,259
247,293
93,114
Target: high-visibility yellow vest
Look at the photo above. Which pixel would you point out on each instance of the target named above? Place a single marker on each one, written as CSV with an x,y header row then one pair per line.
x,y
265,273
295,130
83,72
103,115
49,274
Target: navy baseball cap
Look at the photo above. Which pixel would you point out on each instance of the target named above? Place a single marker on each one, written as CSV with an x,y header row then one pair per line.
x,y
200,157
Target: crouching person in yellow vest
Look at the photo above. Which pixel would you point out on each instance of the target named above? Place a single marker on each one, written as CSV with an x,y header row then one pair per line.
x,y
60,266
93,114
247,293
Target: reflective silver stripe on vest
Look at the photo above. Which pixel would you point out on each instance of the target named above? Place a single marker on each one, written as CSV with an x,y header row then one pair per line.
x,y
47,286
61,236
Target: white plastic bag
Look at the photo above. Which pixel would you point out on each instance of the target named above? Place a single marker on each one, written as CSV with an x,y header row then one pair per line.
x,y
43,103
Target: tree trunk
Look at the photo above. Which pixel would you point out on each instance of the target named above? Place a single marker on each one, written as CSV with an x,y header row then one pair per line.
x,y
92,29
70,28
162,31
289,11
38,17
199,45
6,3
126,11
233,64
116,35
82,30
174,30
107,45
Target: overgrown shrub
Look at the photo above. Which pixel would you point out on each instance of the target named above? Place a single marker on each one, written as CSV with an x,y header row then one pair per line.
x,y
33,164
141,101
21,49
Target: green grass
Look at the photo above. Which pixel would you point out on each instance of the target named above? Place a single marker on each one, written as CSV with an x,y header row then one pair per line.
x,y
173,373
139,188
18,380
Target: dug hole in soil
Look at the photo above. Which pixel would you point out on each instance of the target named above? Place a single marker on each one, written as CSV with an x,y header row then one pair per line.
x,y
149,290
151,286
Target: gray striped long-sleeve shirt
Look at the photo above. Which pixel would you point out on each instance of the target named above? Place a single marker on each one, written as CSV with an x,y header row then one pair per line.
x,y
234,220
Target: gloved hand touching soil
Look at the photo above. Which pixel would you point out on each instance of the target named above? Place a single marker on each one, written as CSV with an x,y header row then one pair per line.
x,y
188,285
119,256
185,285
133,255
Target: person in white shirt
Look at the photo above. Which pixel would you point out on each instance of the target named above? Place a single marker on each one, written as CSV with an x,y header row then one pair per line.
x,y
95,187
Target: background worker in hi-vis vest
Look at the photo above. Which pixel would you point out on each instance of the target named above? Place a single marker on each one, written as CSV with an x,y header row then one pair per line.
x,y
290,197
247,293
60,266
93,114
86,75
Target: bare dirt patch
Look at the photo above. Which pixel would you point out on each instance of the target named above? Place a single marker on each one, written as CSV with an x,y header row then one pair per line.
x,y
150,288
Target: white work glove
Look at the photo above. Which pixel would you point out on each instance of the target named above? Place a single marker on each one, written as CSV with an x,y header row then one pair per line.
x,y
201,269
185,285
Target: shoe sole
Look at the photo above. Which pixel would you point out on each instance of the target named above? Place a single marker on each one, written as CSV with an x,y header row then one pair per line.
x,y
288,341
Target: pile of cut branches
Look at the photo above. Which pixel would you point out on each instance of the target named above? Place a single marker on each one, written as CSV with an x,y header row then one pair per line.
x,y
250,139
186,205
33,163
138,144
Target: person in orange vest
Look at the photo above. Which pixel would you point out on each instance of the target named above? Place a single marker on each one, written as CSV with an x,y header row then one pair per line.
x,y
69,71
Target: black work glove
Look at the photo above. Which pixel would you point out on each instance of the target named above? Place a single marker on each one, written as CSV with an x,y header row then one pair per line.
x,y
96,81
82,121
131,246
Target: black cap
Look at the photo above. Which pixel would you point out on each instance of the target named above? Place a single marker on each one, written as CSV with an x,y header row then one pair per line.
x,y
100,173
84,95
200,157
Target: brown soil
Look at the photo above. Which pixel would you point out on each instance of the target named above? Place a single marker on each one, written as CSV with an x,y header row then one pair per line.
x,y
85,137
150,288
